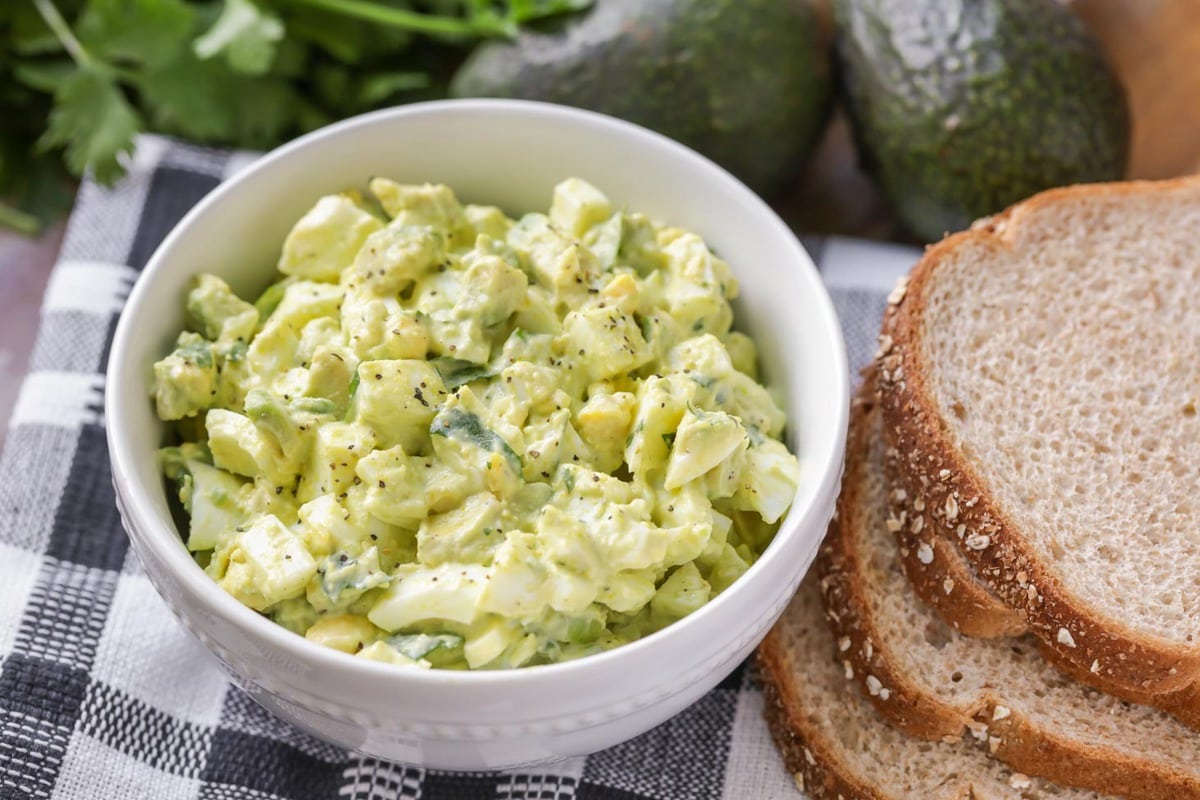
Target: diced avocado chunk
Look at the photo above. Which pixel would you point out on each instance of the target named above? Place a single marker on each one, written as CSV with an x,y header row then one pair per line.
x,y
468,534
742,353
433,205
726,568
217,313
606,341
290,425
577,206
185,382
493,289
239,446
604,422
398,399
326,239
770,475
392,258
395,487
684,591
336,450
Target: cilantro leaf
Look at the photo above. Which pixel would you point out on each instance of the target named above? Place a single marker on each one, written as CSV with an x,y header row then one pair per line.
x,y
94,121
45,76
245,34
146,32
190,97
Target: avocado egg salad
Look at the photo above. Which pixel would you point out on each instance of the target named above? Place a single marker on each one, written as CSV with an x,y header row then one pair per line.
x,y
447,438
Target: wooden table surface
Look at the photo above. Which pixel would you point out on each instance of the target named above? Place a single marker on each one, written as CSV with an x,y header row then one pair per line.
x,y
1153,44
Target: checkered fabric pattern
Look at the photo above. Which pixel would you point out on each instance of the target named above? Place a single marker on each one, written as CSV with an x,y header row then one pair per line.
x,y
104,697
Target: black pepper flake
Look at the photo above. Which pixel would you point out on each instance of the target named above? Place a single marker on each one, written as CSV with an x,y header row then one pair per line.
x,y
378,376
382,485
545,474
278,490
420,398
343,558
596,478
357,480
374,537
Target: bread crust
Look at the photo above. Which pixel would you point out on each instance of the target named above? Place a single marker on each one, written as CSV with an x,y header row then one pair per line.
x,y
853,629
817,771
937,570
1000,554
993,721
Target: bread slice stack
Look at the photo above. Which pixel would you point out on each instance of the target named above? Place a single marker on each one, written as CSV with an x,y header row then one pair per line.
x,y
1012,579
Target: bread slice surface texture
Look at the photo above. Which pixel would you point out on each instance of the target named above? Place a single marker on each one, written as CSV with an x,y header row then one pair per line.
x,y
933,682
1040,383
837,746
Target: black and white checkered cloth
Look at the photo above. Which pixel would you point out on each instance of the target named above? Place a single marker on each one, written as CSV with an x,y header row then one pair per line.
x,y
104,697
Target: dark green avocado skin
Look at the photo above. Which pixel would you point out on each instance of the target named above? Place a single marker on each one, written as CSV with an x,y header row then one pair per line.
x,y
745,82
962,107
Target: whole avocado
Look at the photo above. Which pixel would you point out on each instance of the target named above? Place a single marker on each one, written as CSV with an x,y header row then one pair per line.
x,y
962,107
745,82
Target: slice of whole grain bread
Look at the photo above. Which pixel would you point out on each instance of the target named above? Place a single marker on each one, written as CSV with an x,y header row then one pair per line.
x,y
1039,382
836,745
933,682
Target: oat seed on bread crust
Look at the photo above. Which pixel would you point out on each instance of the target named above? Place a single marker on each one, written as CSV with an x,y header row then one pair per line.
x,y
1090,287
935,683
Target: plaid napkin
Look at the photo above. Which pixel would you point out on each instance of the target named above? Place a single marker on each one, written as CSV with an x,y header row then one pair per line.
x,y
103,696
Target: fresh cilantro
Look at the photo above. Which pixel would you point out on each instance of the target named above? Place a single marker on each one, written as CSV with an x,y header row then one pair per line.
x,y
144,32
80,78
245,35
94,121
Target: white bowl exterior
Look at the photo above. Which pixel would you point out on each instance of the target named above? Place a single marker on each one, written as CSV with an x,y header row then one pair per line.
x,y
511,154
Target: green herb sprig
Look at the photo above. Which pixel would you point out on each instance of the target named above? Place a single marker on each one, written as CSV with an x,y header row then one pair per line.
x,y
80,78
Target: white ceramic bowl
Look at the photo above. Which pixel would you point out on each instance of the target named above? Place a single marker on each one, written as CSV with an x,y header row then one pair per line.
x,y
509,153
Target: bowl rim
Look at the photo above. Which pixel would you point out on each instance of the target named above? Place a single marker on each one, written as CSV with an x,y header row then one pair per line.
x,y
153,533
